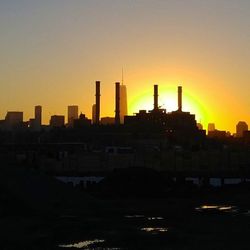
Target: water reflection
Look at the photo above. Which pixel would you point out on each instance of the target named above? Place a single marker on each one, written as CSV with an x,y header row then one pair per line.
x,y
134,216
155,218
219,208
82,244
154,230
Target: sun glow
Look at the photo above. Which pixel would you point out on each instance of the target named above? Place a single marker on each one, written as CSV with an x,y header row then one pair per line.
x,y
168,100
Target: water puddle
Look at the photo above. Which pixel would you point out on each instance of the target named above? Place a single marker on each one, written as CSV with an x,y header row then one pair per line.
x,y
155,218
103,248
154,230
82,244
217,208
134,216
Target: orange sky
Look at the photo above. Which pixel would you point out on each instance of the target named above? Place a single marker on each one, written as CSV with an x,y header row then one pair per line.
x,y
52,52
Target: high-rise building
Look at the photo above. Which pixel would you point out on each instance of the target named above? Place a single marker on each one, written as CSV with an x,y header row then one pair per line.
x,y
240,128
72,114
97,102
38,116
123,102
57,121
117,103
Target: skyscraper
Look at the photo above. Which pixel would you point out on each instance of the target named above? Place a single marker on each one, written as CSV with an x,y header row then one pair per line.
x,y
97,102
117,103
123,102
38,117
72,114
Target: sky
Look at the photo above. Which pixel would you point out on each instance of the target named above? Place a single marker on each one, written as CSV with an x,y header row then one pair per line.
x,y
53,51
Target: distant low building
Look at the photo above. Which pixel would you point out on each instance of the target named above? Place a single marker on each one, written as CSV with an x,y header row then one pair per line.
x,y
13,119
83,121
210,127
241,127
57,121
107,120
199,126
218,134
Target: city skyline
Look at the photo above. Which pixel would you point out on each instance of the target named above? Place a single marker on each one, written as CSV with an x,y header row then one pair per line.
x,y
15,118
53,51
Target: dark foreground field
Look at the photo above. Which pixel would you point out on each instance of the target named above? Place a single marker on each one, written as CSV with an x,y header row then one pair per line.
x,y
175,220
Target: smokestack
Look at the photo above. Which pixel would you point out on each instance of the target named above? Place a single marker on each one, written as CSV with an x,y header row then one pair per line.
x,y
180,98
155,97
97,102
117,103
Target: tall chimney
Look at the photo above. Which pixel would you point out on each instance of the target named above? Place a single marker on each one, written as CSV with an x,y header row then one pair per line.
x,y
117,103
97,102
180,98
155,97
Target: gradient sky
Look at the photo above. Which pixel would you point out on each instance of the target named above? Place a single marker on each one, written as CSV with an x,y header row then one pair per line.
x,y
52,51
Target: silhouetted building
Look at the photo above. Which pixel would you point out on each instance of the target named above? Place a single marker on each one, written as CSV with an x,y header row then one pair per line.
x,y
210,127
123,102
218,134
117,103
38,115
97,102
57,121
13,119
72,114
107,120
83,121
177,124
240,128
199,126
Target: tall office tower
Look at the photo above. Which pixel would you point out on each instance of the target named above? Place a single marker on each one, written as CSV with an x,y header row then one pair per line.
x,y
240,128
38,117
72,114
94,114
117,103
123,102
97,102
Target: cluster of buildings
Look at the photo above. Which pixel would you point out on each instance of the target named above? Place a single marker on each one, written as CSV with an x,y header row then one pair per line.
x,y
14,119
172,123
241,131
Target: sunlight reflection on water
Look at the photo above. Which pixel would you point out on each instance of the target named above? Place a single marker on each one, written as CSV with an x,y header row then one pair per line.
x,y
155,218
219,208
134,216
154,230
82,244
